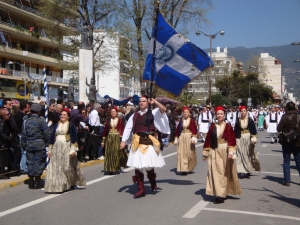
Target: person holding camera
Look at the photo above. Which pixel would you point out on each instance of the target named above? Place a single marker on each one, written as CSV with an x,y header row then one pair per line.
x,y
290,140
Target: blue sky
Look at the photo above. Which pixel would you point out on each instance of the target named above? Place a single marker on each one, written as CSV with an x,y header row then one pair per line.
x,y
251,23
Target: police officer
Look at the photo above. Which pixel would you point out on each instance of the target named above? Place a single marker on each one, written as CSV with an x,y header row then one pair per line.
x,y
35,136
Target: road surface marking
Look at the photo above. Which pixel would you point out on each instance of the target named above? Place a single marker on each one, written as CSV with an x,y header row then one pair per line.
x,y
253,213
196,209
293,174
29,204
270,154
264,146
32,203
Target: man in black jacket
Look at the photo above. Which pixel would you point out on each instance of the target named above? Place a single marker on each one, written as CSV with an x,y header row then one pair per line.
x,y
15,154
24,109
290,121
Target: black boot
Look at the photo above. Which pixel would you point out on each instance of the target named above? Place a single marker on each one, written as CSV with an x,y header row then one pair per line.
x,y
219,200
31,182
37,183
3,175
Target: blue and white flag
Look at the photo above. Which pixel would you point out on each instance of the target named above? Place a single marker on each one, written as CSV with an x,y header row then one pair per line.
x,y
2,37
175,61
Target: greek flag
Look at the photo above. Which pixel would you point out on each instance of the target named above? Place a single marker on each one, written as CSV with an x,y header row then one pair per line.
x,y
2,37
172,60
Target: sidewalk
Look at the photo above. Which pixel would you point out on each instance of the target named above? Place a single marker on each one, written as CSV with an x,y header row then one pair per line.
x,y
14,181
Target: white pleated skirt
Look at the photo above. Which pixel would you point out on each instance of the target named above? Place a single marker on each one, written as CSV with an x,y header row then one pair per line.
x,y
150,158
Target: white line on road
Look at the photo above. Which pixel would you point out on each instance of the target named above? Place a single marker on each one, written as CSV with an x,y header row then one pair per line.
x,y
195,210
270,154
253,213
29,204
264,146
293,174
9,211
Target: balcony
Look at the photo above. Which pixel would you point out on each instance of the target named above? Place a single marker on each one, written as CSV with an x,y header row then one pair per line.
x,y
21,55
24,34
125,85
18,75
23,7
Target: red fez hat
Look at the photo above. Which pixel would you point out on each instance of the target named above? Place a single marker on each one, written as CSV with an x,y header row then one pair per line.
x,y
67,110
185,108
219,108
242,107
115,108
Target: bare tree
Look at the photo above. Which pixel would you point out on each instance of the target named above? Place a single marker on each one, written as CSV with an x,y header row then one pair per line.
x,y
65,18
140,14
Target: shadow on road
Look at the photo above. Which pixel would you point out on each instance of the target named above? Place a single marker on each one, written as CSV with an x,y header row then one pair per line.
x,y
132,189
292,201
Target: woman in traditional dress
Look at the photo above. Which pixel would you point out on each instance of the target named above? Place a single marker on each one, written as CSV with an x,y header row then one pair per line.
x,y
63,172
246,138
261,119
219,149
115,158
185,139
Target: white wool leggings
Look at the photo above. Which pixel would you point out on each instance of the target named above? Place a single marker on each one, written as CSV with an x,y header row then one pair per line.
x,y
148,169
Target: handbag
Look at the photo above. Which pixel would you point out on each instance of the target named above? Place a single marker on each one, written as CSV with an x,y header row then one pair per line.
x,y
291,136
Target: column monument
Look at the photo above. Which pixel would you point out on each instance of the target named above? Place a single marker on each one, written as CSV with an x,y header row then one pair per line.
x,y
85,64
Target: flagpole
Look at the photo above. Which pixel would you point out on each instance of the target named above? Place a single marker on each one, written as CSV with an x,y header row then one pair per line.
x,y
153,67
46,95
154,48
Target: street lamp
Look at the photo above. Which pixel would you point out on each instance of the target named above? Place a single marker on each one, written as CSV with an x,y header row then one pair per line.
x,y
12,63
211,36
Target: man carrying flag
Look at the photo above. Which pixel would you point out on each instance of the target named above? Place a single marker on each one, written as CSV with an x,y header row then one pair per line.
x,y
171,63
145,148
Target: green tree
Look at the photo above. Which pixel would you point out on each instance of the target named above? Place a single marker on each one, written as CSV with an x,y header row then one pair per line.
x,y
238,86
218,99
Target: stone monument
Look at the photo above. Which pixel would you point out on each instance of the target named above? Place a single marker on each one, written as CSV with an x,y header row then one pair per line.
x,y
85,64
71,90
92,91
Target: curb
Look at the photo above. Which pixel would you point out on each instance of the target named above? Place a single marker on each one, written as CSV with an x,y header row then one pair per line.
x,y
22,179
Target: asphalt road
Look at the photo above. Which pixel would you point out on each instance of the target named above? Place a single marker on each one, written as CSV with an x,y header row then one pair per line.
x,y
179,200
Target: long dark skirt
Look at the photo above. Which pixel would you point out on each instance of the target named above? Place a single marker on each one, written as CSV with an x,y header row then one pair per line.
x,y
36,161
115,158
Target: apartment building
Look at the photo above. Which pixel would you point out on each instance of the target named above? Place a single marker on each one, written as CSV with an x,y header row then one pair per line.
x,y
114,73
224,65
273,72
25,51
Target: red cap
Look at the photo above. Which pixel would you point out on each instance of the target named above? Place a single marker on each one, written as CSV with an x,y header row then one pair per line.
x,y
67,110
219,108
242,107
115,108
185,108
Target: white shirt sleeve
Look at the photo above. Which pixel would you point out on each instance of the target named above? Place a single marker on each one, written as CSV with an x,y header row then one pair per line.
x,y
94,118
161,121
127,133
